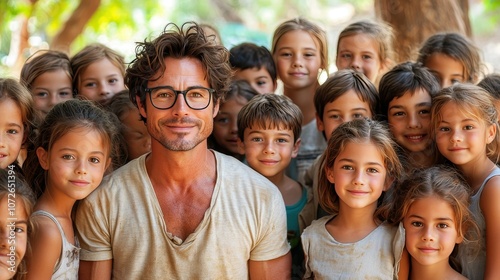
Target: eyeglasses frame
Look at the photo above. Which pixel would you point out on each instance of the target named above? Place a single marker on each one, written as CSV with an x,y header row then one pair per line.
x,y
181,92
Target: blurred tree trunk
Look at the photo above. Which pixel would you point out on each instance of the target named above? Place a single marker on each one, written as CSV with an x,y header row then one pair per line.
x,y
75,24
414,21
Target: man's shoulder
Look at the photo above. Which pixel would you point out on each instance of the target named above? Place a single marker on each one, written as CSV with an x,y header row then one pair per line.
x,y
123,178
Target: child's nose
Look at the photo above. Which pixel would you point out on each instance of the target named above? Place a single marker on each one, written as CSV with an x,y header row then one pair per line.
x,y
414,121
358,178
356,63
456,136
428,234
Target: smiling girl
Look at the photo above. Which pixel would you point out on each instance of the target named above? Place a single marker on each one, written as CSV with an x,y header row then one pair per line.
x,y
464,124
73,151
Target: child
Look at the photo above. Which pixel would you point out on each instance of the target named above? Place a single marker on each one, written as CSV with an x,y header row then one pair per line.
x,y
433,233
224,137
255,65
405,103
345,96
366,46
300,52
269,135
133,130
452,58
354,242
98,73
491,83
16,204
49,78
74,149
17,120
464,124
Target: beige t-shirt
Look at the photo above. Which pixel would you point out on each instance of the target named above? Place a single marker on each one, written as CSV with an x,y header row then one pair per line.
x,y
122,220
377,256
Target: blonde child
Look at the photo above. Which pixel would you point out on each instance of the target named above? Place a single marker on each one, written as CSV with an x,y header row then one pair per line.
x,y
300,52
17,120
452,58
255,65
16,204
405,103
433,206
134,132
354,242
367,47
48,76
224,137
345,96
464,124
74,149
269,129
98,73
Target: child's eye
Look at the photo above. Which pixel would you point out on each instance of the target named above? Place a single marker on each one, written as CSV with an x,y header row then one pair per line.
x,y
68,157
398,114
309,54
442,226
334,117
281,140
366,57
417,224
454,81
64,93
468,127
358,116
94,160
222,120
19,230
41,94
424,112
347,167
286,54
92,84
445,129
113,81
345,55
372,170
256,139
261,83
12,131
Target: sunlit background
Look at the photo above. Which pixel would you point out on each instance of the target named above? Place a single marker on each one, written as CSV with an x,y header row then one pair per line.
x,y
121,23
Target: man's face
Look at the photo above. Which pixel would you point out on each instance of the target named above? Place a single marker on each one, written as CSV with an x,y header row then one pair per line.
x,y
179,128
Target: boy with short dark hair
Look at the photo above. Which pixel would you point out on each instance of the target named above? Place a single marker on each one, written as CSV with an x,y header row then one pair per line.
x,y
255,65
269,128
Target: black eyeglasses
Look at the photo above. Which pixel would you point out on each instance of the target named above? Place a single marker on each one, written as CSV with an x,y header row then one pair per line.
x,y
164,97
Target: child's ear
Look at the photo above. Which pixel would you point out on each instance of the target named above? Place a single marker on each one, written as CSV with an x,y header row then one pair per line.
x,y
42,158
296,148
241,146
492,131
329,175
459,240
319,123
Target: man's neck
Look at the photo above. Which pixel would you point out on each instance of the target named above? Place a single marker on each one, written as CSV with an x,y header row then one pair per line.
x,y
171,168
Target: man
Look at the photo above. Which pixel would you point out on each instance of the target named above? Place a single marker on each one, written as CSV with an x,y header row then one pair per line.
x,y
182,211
